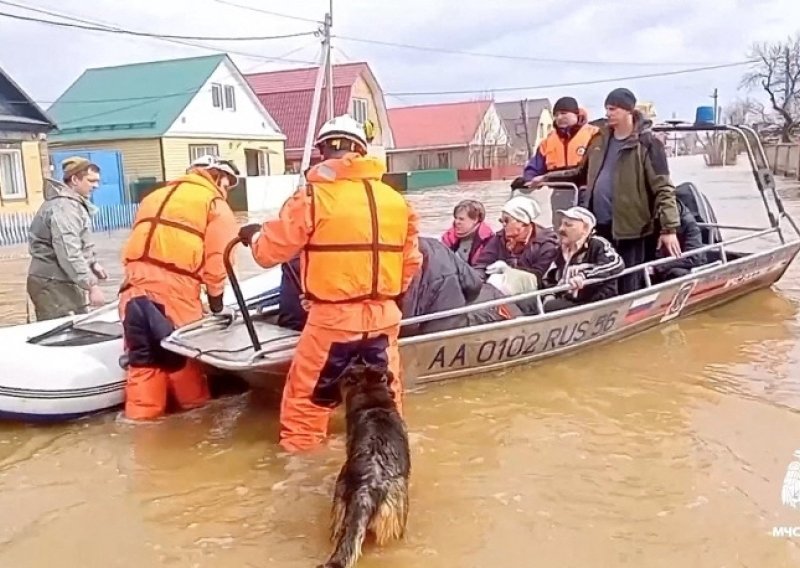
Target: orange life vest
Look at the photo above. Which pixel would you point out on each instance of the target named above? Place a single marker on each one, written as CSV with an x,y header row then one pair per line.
x,y
170,226
562,153
355,252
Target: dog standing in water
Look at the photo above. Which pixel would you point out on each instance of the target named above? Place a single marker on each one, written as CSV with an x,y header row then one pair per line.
x,y
372,488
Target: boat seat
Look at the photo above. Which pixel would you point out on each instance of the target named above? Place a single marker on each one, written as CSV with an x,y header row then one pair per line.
x,y
701,209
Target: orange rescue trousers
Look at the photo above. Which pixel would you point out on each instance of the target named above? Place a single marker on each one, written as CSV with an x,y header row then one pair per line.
x,y
312,390
153,373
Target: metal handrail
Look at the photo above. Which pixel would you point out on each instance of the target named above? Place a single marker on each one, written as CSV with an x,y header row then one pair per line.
x,y
645,267
237,292
564,288
731,227
535,294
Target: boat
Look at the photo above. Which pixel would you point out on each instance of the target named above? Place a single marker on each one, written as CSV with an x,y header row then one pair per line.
x,y
260,351
67,368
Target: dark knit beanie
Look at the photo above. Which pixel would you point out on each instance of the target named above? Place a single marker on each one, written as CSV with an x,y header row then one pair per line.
x,y
566,104
621,98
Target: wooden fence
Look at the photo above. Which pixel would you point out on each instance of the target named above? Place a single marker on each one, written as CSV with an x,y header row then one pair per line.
x,y
784,159
14,227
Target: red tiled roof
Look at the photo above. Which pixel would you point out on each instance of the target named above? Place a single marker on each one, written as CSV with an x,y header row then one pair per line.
x,y
301,79
288,96
431,126
290,110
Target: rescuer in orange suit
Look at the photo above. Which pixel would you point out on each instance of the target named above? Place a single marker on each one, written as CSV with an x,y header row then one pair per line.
x,y
176,246
359,250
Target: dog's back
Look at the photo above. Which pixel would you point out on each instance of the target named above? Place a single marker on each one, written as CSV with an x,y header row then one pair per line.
x,y
372,488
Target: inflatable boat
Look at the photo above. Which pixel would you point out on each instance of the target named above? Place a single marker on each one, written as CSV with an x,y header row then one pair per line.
x,y
67,368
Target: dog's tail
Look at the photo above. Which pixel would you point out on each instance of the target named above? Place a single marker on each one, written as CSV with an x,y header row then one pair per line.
x,y
349,538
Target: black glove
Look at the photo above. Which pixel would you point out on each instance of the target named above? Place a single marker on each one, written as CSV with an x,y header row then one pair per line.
x,y
215,304
518,183
246,233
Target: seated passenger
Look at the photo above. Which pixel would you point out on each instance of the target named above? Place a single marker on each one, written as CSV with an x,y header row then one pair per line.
x,y
469,232
690,238
497,313
444,282
583,255
522,250
291,313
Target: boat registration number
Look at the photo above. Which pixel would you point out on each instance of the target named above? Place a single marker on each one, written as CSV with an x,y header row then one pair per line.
x,y
556,335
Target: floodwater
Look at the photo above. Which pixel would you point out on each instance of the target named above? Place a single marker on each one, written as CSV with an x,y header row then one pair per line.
x,y
667,449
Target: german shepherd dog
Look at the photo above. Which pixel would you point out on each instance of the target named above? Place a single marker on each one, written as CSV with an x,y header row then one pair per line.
x,y
372,487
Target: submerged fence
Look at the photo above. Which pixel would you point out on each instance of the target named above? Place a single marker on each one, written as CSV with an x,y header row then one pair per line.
x,y
784,159
14,227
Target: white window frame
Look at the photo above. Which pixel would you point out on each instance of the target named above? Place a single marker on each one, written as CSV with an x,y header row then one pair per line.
x,y
360,110
217,98
17,175
229,97
197,150
263,163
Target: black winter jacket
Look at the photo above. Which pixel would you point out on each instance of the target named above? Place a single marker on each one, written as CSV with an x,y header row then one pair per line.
x,y
444,282
595,259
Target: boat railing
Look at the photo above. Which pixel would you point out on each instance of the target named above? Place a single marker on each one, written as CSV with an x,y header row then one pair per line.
x,y
763,179
539,296
644,268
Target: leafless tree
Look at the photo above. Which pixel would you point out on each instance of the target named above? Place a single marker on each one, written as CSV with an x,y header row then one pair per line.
x,y
747,111
776,69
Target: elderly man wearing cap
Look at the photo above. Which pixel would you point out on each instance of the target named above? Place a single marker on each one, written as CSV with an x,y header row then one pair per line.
x,y
522,251
64,268
583,256
628,187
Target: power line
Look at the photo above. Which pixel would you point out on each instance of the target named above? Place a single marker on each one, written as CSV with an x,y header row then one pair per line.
x,y
269,12
578,83
460,92
515,57
97,22
468,53
148,34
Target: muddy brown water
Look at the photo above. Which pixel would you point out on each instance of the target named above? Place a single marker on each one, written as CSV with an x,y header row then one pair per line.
x,y
666,449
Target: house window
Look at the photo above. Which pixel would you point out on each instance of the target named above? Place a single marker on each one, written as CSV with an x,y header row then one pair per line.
x,y
426,161
444,160
216,95
197,150
230,97
12,180
360,108
256,162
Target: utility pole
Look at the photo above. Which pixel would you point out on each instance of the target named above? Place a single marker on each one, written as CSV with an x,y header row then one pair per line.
x,y
524,105
324,60
329,63
715,96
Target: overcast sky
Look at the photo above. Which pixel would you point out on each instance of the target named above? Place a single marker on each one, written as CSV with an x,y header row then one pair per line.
x,y
604,39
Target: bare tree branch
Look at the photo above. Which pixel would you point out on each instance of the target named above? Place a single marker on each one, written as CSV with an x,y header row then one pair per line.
x,y
777,72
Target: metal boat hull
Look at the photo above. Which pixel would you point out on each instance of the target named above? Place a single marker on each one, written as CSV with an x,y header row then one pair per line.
x,y
489,347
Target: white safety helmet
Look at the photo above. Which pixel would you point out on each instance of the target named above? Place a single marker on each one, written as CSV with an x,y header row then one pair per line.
x,y
209,162
343,128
